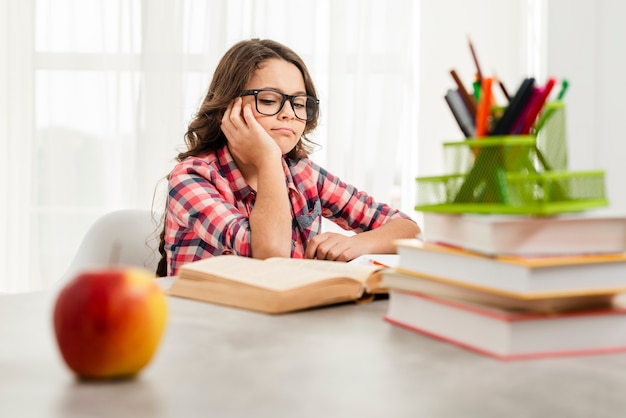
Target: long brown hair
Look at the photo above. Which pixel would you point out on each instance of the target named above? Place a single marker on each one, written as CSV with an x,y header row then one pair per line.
x,y
231,76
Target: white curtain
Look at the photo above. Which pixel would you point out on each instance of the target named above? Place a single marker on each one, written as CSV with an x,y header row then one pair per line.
x,y
99,92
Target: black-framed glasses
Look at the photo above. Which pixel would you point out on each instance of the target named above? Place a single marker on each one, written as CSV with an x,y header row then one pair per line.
x,y
270,102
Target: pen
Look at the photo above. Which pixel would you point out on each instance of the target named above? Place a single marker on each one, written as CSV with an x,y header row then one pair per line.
x,y
378,263
504,90
564,85
480,74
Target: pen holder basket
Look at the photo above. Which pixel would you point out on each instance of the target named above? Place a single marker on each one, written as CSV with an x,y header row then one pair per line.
x,y
512,174
549,141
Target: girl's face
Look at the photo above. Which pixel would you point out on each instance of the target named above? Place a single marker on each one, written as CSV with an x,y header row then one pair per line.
x,y
284,127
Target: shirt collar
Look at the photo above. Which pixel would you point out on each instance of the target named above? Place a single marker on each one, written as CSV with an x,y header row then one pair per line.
x,y
237,182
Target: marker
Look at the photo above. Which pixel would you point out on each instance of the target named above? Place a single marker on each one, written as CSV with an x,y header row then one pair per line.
x,y
476,86
513,110
484,108
538,105
470,102
461,113
520,120
546,115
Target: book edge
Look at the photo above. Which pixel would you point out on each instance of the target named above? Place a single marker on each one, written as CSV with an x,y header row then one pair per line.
x,y
533,295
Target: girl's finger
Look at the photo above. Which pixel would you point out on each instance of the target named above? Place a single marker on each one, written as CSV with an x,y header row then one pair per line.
x,y
234,116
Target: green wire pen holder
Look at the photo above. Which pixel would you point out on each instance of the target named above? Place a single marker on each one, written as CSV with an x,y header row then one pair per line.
x,y
523,174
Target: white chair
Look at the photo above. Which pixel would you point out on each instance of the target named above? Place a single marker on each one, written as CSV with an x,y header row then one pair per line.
x,y
127,237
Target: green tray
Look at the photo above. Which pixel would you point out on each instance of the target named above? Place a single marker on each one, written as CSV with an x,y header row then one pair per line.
x,y
529,194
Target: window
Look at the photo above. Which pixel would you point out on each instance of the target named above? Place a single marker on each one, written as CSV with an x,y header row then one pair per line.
x,y
101,92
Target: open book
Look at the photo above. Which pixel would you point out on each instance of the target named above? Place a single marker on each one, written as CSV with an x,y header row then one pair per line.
x,y
275,285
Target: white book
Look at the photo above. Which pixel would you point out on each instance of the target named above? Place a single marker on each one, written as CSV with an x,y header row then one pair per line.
x,y
514,275
575,233
509,335
393,279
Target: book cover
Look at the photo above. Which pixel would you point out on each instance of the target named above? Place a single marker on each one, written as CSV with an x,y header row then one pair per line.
x,y
535,276
577,233
509,335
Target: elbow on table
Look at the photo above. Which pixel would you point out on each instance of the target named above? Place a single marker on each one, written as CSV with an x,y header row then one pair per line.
x,y
269,248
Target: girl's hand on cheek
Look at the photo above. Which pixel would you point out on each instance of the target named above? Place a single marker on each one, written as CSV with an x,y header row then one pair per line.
x,y
247,139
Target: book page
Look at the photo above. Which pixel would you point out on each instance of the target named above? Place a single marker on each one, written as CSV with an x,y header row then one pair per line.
x,y
358,271
275,273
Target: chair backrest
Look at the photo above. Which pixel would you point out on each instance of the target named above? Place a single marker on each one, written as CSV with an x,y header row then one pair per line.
x,y
127,237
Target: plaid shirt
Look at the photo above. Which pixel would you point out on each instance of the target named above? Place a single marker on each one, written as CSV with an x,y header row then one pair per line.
x,y
210,203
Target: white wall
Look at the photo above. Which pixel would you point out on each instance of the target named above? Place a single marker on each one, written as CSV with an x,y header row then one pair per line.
x,y
499,38
587,44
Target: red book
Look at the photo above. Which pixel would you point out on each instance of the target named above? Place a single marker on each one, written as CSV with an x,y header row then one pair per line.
x,y
509,335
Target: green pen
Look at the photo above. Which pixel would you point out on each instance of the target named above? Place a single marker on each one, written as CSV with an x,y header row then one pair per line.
x,y
564,86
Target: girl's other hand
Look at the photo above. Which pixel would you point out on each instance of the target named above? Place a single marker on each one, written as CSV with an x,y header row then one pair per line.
x,y
335,247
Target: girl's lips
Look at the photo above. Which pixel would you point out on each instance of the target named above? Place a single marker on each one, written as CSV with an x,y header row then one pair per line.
x,y
284,131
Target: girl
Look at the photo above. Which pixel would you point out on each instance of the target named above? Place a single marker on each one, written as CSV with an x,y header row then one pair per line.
x,y
245,184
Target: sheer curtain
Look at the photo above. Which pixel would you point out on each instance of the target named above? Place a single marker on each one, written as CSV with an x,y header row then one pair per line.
x,y
99,92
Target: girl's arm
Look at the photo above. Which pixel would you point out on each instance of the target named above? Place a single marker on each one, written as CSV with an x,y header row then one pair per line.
x,y
260,159
270,219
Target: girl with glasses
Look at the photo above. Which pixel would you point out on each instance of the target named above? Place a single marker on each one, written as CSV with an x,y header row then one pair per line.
x,y
245,185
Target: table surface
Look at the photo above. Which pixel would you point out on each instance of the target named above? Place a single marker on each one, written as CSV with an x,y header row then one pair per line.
x,y
340,361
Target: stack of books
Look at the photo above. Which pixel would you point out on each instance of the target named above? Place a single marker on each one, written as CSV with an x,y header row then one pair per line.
x,y
514,287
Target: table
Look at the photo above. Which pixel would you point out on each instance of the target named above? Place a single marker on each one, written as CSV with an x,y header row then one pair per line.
x,y
340,361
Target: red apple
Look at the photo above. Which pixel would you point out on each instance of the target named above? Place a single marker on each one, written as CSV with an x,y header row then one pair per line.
x,y
108,322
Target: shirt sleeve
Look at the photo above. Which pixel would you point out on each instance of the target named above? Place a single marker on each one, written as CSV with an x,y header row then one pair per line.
x,y
349,207
203,207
